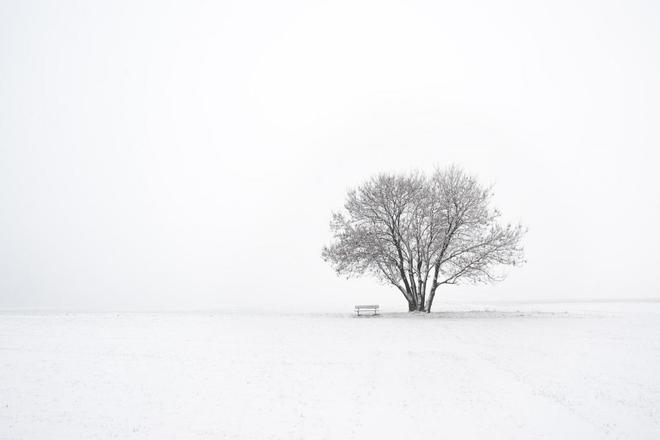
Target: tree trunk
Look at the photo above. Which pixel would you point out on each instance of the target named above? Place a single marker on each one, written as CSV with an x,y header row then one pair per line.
x,y
412,305
434,285
420,301
429,299
421,293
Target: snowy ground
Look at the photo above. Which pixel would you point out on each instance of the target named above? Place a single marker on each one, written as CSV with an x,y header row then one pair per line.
x,y
551,371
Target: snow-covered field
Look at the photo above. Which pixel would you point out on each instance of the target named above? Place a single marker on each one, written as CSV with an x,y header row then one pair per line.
x,y
551,371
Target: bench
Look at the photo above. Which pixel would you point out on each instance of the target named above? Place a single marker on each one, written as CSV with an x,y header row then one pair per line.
x,y
372,309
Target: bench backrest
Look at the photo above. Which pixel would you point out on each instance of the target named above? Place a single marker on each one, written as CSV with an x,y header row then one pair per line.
x,y
371,306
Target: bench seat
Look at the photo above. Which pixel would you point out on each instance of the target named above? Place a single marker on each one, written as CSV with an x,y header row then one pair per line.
x,y
364,308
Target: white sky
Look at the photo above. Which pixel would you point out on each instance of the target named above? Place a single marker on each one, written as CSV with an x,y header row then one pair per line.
x,y
187,155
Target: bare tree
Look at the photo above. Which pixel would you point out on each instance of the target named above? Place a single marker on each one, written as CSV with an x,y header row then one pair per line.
x,y
418,233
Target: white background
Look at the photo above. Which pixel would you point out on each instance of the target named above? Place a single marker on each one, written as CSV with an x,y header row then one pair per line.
x,y
158,155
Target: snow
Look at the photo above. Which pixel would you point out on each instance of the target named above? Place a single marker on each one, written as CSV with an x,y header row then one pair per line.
x,y
496,371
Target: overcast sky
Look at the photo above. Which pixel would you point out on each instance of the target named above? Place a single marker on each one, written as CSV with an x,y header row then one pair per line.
x,y
187,155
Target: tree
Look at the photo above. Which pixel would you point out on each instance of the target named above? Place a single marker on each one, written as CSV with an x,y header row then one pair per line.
x,y
419,232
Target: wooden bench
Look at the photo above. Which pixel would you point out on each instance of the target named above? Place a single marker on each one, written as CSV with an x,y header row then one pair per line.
x,y
372,308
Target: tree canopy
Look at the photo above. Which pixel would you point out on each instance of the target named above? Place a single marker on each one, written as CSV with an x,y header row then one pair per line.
x,y
419,232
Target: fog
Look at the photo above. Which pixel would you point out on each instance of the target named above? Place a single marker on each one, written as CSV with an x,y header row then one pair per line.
x,y
187,155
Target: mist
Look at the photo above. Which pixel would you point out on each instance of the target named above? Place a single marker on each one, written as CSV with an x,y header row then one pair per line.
x,y
188,155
